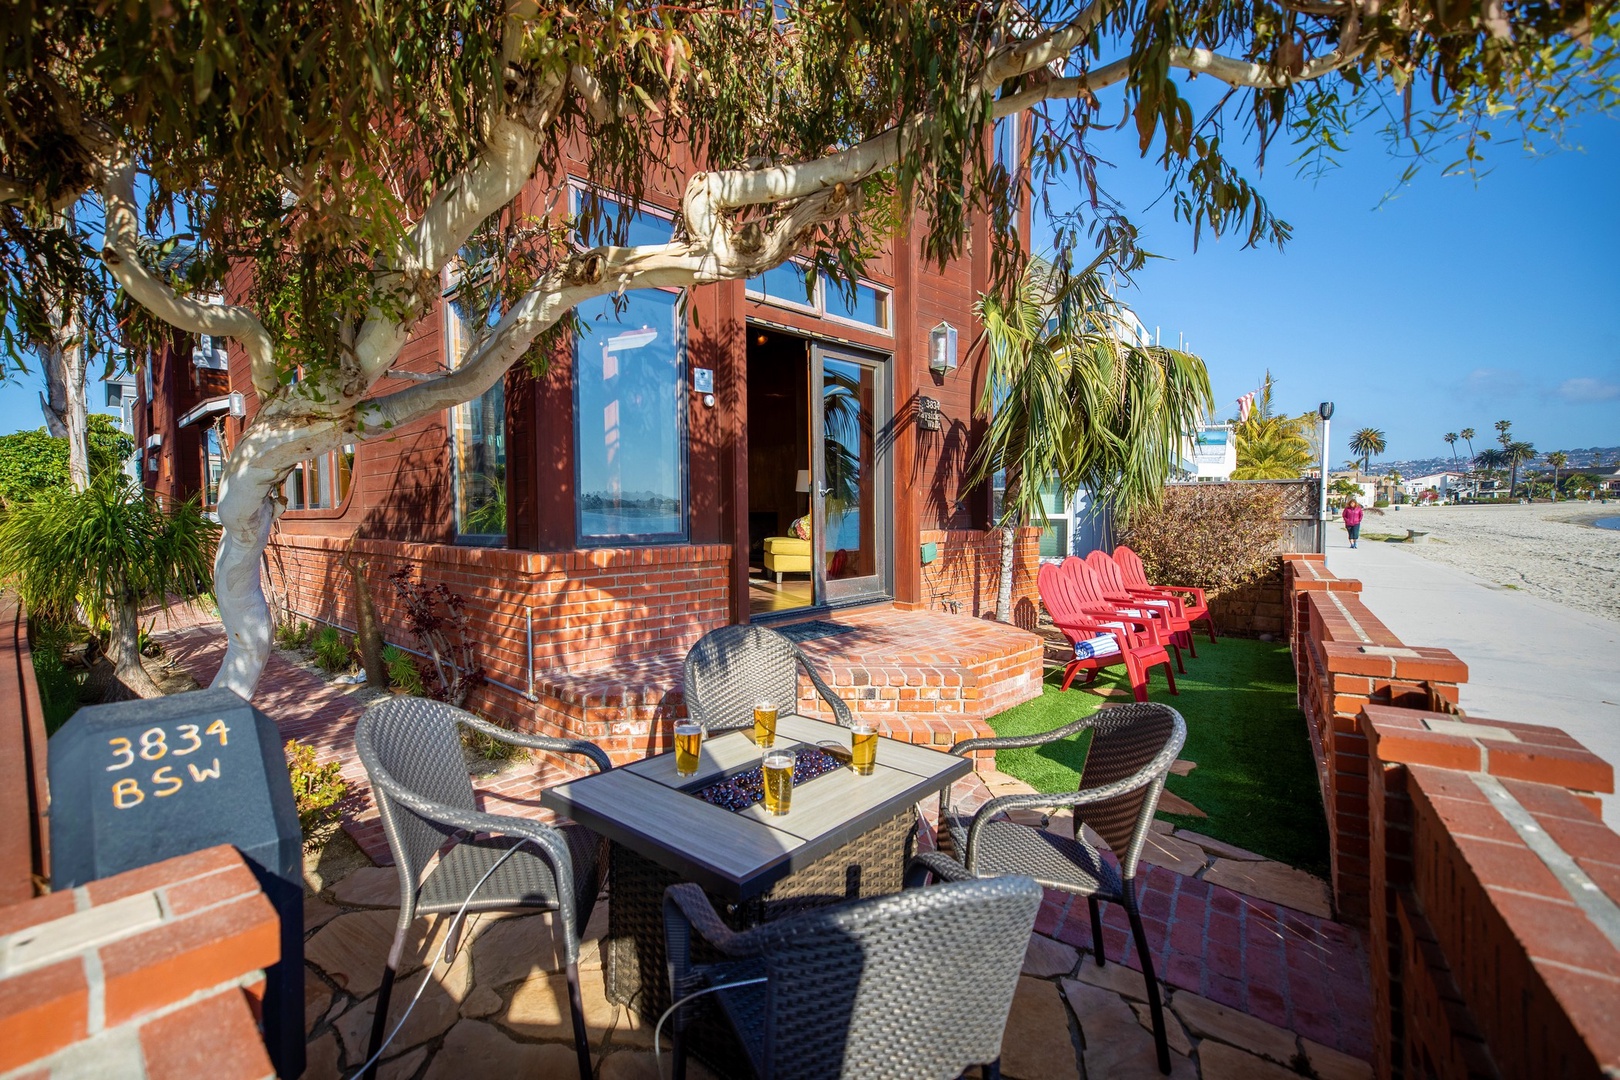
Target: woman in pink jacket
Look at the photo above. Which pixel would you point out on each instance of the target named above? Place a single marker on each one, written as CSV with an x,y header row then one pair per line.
x,y
1352,520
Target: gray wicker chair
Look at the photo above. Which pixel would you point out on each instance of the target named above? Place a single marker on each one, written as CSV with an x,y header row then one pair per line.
x,y
733,668
412,753
851,990
1132,748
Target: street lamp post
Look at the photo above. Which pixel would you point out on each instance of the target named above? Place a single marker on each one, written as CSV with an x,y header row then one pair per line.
x,y
1325,411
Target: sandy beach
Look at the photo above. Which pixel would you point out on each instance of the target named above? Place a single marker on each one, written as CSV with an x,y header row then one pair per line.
x,y
1546,549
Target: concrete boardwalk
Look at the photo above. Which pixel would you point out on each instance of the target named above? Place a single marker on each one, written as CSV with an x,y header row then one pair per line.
x,y
1529,659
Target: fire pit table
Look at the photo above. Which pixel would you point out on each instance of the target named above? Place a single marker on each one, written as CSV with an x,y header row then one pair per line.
x,y
845,836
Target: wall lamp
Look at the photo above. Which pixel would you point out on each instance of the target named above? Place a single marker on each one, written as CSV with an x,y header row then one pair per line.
x,y
942,348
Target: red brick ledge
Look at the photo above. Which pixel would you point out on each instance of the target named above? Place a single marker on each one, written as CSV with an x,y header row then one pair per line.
x,y
512,560
165,962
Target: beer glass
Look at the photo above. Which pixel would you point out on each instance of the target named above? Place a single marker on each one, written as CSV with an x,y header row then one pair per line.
x,y
778,770
688,744
765,724
863,746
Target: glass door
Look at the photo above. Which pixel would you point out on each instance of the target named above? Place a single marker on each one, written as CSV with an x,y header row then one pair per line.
x,y
851,482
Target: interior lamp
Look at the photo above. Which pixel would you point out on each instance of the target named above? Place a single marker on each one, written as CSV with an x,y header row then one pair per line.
x,y
942,348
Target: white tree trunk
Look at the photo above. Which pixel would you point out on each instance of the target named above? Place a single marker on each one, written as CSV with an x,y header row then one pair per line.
x,y
63,402
247,509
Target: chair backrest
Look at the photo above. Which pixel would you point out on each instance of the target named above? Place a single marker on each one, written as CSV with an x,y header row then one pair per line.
x,y
1127,740
1086,583
413,743
734,668
855,990
1059,587
1107,572
1130,567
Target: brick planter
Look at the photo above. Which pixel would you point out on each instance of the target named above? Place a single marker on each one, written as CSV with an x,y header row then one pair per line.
x,y
160,968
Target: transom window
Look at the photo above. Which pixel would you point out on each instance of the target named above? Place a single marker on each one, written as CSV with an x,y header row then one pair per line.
x,y
792,285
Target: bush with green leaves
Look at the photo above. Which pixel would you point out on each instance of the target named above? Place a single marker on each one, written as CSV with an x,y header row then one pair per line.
x,y
402,670
32,461
333,651
317,788
292,635
1214,536
109,550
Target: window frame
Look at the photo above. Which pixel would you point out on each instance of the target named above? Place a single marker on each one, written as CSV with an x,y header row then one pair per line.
x,y
818,307
462,537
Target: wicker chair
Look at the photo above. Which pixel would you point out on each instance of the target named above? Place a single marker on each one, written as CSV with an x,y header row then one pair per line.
x,y
412,753
1132,749
733,668
850,990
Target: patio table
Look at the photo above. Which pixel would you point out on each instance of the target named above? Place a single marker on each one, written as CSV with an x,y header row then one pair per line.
x,y
845,836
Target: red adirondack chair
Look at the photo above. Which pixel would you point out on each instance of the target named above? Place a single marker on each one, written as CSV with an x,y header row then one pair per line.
x,y
1167,604
1193,604
1065,593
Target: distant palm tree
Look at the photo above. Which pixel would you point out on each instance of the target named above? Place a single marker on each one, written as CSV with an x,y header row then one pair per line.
x,y
1451,441
1517,453
1367,443
1491,460
1468,437
1557,459
1502,432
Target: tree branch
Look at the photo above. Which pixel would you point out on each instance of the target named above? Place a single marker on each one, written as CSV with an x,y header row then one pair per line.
x,y
121,255
1246,73
489,182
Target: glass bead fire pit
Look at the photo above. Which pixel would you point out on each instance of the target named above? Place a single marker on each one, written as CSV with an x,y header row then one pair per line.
x,y
739,792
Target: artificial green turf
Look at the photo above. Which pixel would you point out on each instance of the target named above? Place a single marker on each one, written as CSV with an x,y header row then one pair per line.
x,y
1255,777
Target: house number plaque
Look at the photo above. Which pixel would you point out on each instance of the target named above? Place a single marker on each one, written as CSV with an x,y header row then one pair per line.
x,y
928,414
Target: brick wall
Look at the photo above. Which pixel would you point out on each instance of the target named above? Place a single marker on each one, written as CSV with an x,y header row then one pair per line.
x,y
1344,659
1472,851
589,608
25,840
1253,609
158,972
1486,959
965,577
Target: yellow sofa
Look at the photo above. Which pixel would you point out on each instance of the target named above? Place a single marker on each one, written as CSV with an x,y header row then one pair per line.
x,y
786,555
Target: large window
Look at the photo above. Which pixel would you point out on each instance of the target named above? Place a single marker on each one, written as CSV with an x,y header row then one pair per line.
x,y
477,427
321,483
791,285
213,450
630,412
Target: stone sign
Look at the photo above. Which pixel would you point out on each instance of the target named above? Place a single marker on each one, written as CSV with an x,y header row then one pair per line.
x,y
141,781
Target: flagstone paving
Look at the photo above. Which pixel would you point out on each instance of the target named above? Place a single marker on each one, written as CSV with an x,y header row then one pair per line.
x,y
1259,982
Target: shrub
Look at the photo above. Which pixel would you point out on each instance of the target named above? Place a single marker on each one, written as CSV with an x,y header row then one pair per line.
x,y
446,638
317,789
332,649
291,635
402,670
1215,536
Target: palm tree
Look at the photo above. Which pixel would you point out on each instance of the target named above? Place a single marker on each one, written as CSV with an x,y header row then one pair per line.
x,y
1271,447
1517,453
109,548
1502,432
1557,459
1367,443
1451,441
1073,402
1467,434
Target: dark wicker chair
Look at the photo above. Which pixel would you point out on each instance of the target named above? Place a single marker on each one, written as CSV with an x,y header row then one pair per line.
x,y
733,668
1132,748
412,753
851,990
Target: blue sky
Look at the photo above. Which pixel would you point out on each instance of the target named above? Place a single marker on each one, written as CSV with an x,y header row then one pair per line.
x,y
1453,305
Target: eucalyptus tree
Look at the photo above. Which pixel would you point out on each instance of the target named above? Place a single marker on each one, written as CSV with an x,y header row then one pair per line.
x,y
329,161
1074,399
1367,443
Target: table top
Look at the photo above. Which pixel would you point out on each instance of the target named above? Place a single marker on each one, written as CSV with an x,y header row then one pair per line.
x,y
647,807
